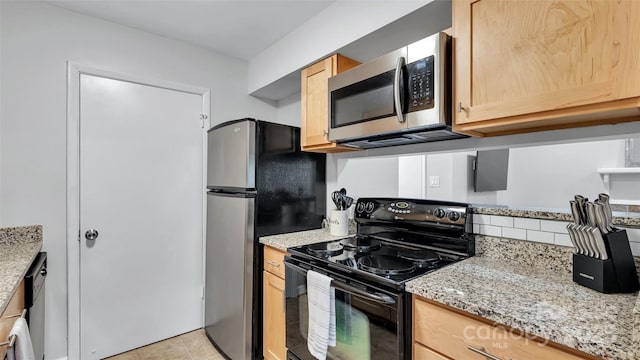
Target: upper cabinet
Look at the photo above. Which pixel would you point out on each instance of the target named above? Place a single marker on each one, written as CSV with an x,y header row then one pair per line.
x,y
315,103
524,66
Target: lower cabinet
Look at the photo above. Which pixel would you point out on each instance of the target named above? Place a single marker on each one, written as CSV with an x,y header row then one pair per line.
x,y
11,313
439,332
273,303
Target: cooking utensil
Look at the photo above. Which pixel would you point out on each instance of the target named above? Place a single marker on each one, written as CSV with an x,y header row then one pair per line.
x,y
574,238
592,225
581,200
602,250
337,199
573,232
591,214
577,216
348,202
593,241
580,240
604,199
586,239
601,218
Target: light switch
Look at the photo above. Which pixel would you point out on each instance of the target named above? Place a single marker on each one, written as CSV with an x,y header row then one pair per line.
x,y
434,181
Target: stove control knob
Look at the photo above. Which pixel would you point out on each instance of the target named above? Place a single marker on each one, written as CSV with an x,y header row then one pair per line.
x,y
454,216
360,207
369,207
439,213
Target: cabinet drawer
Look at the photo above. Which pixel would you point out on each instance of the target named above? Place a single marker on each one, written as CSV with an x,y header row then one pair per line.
x,y
424,353
274,261
15,307
461,337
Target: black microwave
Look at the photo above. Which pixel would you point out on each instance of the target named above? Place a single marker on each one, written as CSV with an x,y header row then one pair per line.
x,y
399,98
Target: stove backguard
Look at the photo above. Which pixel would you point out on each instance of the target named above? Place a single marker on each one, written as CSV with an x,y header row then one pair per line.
x,y
423,223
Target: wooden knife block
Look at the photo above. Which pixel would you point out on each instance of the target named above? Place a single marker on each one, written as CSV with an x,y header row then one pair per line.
x,y
617,274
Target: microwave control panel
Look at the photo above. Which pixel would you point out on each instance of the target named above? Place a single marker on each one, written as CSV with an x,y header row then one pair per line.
x,y
420,84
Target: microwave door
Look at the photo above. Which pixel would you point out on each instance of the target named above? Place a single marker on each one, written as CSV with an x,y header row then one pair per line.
x,y
366,100
428,71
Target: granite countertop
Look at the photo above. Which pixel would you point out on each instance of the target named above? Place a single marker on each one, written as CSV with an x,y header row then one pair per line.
x,y
627,219
18,246
285,241
540,300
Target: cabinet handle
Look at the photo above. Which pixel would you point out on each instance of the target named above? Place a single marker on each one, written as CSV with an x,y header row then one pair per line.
x,y
483,353
325,133
460,107
272,263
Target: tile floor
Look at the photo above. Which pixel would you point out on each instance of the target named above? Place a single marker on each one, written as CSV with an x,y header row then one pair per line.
x,y
190,346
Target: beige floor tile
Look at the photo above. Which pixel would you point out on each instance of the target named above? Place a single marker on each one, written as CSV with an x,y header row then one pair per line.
x,y
193,336
201,350
131,355
193,345
170,349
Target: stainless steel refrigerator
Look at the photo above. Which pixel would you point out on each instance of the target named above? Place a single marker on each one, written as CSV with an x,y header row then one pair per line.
x,y
259,183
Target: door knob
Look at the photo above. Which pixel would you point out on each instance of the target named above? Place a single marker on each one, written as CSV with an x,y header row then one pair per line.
x,y
91,234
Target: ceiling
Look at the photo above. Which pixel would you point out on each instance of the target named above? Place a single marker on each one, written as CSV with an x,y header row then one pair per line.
x,y
239,28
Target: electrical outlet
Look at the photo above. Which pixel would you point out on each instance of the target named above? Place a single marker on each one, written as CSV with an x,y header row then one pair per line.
x,y
434,181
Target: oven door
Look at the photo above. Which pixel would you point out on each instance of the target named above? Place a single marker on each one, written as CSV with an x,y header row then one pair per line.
x,y
369,322
367,100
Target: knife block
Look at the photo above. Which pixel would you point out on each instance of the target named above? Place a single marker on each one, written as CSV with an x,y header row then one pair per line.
x,y
617,274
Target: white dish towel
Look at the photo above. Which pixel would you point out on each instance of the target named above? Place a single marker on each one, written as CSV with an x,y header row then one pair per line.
x,y
22,348
322,314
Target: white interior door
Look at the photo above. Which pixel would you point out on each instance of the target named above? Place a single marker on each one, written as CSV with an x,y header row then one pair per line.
x,y
141,189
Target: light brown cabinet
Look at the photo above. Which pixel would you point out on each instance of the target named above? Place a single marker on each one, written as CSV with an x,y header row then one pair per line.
x,y
273,306
10,315
440,332
544,64
315,103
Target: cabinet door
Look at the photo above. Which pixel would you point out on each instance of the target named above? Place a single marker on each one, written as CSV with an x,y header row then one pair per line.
x,y
274,261
460,337
10,315
515,58
424,353
274,341
315,103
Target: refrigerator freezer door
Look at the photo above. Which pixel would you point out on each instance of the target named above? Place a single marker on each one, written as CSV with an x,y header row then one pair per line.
x,y
229,273
231,155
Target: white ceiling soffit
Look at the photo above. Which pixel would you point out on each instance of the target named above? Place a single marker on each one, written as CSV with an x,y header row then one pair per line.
x,y
389,27
239,28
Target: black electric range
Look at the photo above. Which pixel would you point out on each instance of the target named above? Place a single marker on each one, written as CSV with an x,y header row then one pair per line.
x,y
397,240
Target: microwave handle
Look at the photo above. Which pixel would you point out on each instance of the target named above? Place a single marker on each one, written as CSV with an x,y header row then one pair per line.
x,y
396,89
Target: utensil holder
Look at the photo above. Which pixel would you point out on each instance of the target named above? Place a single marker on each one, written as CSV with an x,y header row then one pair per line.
x,y
617,274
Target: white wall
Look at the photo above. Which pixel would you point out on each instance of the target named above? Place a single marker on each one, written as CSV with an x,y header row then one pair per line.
x,y
289,110
551,175
545,176
411,174
362,177
331,29
37,40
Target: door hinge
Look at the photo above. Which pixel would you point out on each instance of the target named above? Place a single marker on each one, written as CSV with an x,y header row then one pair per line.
x,y
202,292
203,117
78,235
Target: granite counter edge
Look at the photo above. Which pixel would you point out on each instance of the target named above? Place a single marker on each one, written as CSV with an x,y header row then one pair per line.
x,y
17,281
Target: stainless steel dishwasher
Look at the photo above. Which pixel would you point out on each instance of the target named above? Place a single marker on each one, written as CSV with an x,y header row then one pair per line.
x,y
34,302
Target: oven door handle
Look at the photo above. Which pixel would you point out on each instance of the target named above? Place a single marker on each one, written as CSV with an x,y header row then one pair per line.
x,y
376,297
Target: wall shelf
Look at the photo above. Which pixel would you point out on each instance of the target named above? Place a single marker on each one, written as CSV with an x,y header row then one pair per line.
x,y
606,173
